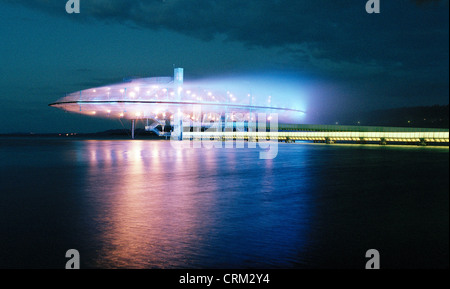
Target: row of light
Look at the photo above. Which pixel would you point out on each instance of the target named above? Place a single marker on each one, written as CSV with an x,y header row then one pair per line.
x,y
135,92
208,116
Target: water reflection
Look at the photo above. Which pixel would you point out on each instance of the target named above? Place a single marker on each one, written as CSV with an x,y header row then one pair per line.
x,y
131,204
152,206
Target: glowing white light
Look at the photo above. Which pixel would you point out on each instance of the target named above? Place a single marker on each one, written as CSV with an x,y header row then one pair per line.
x,y
118,98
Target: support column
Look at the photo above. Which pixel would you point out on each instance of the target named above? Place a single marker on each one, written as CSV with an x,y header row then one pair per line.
x,y
133,127
180,124
177,132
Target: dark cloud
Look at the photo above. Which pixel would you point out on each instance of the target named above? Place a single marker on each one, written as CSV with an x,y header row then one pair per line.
x,y
332,37
326,34
254,22
266,23
427,1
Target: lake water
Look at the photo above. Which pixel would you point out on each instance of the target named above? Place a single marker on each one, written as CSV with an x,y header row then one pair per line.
x,y
144,204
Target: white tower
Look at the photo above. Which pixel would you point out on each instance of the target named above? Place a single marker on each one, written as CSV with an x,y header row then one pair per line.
x,y
178,76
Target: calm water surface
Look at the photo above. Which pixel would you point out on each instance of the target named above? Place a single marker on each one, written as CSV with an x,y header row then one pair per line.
x,y
144,204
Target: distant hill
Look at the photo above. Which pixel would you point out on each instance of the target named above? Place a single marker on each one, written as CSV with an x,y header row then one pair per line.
x,y
121,133
112,133
436,116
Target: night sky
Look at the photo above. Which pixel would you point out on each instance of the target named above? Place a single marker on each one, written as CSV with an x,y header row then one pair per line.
x,y
347,60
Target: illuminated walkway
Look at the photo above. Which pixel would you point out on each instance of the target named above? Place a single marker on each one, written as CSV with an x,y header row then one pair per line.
x,y
332,134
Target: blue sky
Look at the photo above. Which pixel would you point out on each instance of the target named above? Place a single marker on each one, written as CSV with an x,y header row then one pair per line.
x,y
346,59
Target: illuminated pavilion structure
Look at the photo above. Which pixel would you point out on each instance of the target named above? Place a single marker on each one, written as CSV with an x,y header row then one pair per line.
x,y
165,101
158,100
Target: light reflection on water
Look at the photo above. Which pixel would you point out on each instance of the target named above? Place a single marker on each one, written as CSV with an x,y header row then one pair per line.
x,y
157,207
144,204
